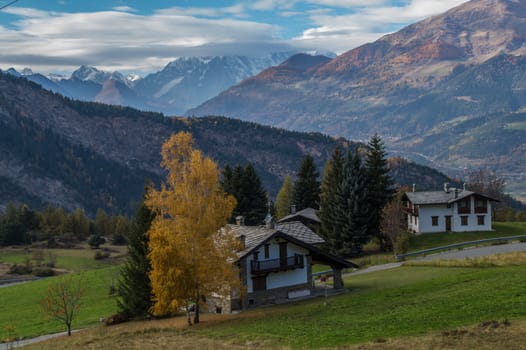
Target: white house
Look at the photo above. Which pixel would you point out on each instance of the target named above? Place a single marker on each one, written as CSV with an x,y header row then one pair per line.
x,y
450,210
276,263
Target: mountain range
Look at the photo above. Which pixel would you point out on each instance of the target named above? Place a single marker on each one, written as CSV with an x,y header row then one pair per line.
x,y
448,91
184,83
70,153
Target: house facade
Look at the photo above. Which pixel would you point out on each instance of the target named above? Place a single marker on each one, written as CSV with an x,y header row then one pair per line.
x,y
275,265
449,210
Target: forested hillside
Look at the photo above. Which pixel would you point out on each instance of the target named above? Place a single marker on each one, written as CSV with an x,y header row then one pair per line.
x,y
90,155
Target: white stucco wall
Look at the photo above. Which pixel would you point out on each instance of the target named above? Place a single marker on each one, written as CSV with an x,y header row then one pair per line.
x,y
282,278
425,218
423,223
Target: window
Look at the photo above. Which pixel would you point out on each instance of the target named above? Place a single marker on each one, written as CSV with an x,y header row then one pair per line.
x,y
464,206
434,220
481,205
256,256
464,220
267,252
480,220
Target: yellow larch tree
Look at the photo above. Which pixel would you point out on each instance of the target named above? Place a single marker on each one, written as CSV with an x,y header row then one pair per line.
x,y
191,257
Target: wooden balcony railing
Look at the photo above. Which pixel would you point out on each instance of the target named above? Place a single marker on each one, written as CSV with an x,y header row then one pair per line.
x,y
481,210
464,210
274,265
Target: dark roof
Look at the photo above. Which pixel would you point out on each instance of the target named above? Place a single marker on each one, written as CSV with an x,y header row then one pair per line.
x,y
295,232
441,197
307,213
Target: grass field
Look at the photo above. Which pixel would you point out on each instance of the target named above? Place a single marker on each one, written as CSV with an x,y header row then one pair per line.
x,y
395,306
501,229
20,305
75,260
399,305
169,334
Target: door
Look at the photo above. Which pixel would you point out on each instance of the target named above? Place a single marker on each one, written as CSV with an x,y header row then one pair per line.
x,y
283,254
448,223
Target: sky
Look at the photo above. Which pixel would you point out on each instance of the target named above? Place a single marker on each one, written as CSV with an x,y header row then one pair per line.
x,y
142,36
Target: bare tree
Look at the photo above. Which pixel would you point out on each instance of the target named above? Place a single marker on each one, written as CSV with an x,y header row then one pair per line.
x,y
393,225
63,300
487,182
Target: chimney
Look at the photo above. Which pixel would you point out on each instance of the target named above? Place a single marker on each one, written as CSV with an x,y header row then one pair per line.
x,y
456,193
240,220
269,222
464,186
293,208
446,187
242,239
414,187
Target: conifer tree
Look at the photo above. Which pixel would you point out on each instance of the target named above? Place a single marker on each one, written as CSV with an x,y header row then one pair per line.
x,y
332,177
307,187
227,180
380,187
134,287
284,198
253,199
350,213
246,186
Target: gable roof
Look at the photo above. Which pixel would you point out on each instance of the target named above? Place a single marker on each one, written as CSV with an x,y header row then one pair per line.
x,y
441,197
295,232
307,213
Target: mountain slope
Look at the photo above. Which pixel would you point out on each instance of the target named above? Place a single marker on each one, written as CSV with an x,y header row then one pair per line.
x,y
79,154
462,65
189,81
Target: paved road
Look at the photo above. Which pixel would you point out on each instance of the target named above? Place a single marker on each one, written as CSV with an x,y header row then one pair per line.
x,y
454,254
5,346
477,252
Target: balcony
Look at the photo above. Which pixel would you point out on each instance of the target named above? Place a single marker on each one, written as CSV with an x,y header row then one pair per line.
x,y
275,265
481,210
464,210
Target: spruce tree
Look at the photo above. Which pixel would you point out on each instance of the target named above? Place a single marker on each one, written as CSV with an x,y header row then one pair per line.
x,y
332,177
227,180
134,287
246,186
253,198
380,188
307,187
350,213
284,198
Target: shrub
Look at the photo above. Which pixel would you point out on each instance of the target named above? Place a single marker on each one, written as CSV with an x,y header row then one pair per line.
x,y
119,239
115,319
101,255
401,245
95,241
20,269
43,272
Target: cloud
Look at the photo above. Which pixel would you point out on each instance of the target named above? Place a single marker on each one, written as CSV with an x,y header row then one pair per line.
x,y
121,40
124,9
343,32
125,39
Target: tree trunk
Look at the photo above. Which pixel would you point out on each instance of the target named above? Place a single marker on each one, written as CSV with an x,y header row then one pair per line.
x,y
188,318
69,328
196,315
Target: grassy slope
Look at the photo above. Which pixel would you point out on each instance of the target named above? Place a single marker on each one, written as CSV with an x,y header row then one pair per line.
x,y
20,305
501,229
409,302
405,301
75,260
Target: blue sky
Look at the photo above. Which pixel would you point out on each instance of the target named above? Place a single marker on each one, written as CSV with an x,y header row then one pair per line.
x,y
143,36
